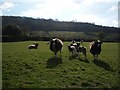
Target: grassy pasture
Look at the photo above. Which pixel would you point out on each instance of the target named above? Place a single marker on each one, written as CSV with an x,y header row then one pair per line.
x,y
37,68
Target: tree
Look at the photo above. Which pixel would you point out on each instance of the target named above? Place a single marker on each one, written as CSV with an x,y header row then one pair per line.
x,y
11,30
101,36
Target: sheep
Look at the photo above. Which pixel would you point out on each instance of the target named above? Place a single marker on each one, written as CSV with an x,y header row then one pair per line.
x,y
81,49
56,46
33,46
95,48
72,49
82,41
73,43
75,48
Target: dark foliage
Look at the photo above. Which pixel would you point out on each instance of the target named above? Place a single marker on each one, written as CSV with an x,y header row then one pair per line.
x,y
11,30
32,24
28,25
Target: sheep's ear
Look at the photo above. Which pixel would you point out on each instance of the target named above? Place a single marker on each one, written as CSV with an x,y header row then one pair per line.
x,y
101,41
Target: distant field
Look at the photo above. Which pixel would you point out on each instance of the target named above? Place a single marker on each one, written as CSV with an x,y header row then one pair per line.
x,y
37,68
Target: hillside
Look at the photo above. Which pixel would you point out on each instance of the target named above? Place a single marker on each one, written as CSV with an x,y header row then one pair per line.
x,y
30,25
52,25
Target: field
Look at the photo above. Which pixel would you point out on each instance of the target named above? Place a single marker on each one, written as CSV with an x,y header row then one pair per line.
x,y
38,68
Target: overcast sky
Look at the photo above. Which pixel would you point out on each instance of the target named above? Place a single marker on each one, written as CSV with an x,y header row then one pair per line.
x,y
100,12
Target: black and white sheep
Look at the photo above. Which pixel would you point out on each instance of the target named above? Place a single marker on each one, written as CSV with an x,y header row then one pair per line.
x,y
81,49
72,49
95,48
33,46
75,48
56,46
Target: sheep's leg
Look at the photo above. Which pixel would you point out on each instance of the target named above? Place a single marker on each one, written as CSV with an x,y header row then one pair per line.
x,y
72,52
69,53
94,57
60,53
85,57
84,53
75,51
55,54
97,56
78,54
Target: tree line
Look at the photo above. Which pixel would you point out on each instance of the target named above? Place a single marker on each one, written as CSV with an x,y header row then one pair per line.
x,y
24,28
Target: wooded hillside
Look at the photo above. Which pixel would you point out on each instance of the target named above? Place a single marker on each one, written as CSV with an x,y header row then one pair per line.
x,y
54,28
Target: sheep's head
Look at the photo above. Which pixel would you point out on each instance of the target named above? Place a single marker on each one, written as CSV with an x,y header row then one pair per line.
x,y
98,43
36,45
78,43
52,43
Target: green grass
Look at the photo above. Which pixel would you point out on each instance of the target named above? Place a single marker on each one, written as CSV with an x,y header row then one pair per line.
x,y
37,68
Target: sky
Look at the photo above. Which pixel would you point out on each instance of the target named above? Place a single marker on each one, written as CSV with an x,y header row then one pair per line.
x,y
99,12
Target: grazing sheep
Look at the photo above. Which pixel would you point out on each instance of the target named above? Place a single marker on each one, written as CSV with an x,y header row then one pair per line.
x,y
56,46
33,46
95,48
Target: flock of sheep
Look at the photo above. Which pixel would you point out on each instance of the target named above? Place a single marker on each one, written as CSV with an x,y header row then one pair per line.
x,y
74,47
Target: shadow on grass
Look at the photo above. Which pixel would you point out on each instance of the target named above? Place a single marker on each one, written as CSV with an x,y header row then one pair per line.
x,y
85,84
53,62
85,60
103,65
73,57
77,57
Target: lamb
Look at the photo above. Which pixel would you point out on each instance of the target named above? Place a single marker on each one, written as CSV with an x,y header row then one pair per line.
x,y
33,46
56,46
95,48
